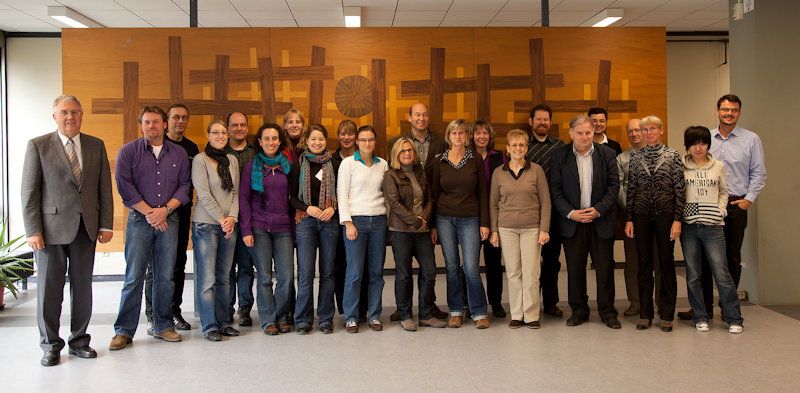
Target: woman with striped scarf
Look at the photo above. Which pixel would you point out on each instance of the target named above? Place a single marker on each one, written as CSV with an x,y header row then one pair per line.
x,y
314,198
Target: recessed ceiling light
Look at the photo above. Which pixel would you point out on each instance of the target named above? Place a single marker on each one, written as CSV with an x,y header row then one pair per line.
x,y
604,18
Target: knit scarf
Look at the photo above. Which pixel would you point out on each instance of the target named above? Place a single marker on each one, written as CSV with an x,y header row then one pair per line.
x,y
223,166
327,187
257,174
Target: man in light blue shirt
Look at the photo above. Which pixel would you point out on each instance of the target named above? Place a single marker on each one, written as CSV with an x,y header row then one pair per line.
x,y
743,155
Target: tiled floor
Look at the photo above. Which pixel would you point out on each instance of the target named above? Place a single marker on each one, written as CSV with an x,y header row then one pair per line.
x,y
589,357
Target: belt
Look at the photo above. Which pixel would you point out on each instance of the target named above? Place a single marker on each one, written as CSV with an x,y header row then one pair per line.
x,y
732,198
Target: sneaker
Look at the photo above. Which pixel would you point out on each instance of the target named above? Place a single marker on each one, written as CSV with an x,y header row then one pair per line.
x,y
701,326
149,327
482,323
735,329
351,327
455,322
375,325
180,323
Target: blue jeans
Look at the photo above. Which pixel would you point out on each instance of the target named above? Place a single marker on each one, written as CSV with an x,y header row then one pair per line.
x,y
712,240
213,257
370,248
406,245
465,231
268,246
313,234
142,241
244,278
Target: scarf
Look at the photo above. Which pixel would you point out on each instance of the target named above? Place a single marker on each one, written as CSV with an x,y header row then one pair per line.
x,y
257,173
223,166
327,189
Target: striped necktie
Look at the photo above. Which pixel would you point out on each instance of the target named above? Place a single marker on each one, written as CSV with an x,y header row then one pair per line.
x,y
73,161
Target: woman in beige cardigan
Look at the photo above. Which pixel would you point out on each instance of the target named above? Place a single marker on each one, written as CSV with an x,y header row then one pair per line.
x,y
519,211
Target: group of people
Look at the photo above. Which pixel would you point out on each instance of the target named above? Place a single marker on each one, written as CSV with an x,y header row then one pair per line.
x,y
258,201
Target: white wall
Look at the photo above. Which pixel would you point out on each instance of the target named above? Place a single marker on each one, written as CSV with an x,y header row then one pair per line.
x,y
34,81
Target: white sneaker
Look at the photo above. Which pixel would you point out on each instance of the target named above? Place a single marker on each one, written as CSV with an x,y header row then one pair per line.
x,y
702,326
735,329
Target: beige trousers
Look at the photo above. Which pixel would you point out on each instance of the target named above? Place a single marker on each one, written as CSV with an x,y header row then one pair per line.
x,y
522,254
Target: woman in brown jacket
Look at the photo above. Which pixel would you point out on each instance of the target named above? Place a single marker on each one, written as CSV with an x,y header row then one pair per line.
x,y
410,203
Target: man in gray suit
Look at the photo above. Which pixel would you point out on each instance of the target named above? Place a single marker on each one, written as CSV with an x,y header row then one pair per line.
x,y
67,207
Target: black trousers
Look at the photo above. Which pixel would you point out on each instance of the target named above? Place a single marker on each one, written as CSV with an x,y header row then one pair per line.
x,y
645,229
551,265
735,224
179,273
494,272
586,241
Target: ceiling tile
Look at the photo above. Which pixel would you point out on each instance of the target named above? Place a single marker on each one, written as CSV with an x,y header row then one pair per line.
x,y
584,5
14,15
509,24
103,5
424,5
692,23
99,16
529,5
162,15
163,23
477,5
649,4
375,23
411,16
38,13
322,22
318,15
415,23
5,7
518,16
219,15
719,26
455,23
272,22
377,15
206,5
267,15
376,5
472,16
125,23
664,15
26,25
148,5
686,5
7,28
708,15
223,22
260,5
29,4
722,5
647,23
316,5
570,18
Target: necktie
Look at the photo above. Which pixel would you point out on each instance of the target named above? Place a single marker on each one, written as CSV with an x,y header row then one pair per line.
x,y
73,161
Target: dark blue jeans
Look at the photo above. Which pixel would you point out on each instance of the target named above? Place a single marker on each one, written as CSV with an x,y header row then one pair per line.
x,y
245,276
268,247
313,234
406,245
368,248
712,240
466,232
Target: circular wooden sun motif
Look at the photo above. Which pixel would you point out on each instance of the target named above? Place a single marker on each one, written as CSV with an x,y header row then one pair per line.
x,y
354,96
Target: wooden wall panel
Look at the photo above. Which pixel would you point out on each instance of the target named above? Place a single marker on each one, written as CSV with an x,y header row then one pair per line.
x,y
491,73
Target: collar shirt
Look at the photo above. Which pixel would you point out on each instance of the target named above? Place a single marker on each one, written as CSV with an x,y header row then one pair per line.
x,y
586,174
141,176
77,141
423,146
743,156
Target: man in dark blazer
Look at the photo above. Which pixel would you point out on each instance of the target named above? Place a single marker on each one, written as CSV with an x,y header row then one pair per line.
x,y
599,118
67,206
584,184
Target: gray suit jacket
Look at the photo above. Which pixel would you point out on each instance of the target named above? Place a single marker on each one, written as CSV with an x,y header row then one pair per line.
x,y
52,203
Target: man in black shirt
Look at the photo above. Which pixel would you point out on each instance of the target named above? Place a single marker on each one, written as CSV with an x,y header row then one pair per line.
x,y
599,118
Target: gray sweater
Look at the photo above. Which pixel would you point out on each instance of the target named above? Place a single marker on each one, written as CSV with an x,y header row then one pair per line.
x,y
213,203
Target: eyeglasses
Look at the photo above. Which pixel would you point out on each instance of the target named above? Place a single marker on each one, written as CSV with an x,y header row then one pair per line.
x,y
732,110
407,151
176,118
73,113
650,129
517,145
218,133
370,140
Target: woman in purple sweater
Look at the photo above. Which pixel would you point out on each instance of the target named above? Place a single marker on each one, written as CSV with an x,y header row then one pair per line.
x,y
266,226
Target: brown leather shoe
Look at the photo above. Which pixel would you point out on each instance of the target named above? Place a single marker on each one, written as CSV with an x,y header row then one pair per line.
x,y
119,342
554,311
644,324
455,322
515,324
376,325
631,311
439,314
666,326
395,316
169,336
433,322
284,328
482,323
271,330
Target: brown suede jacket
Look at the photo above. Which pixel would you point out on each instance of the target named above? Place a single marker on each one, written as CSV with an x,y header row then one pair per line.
x,y
399,194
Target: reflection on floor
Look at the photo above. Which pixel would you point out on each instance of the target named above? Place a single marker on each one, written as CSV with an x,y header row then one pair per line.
x,y
589,357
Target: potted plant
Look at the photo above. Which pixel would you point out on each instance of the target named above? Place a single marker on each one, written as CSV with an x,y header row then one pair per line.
x,y
11,264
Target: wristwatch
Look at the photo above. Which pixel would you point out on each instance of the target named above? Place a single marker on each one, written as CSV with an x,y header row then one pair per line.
x,y
169,209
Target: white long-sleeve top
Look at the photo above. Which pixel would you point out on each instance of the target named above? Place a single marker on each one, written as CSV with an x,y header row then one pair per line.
x,y
359,188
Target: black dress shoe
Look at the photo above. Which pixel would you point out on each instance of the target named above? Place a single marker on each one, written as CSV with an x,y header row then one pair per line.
x,y
180,323
575,320
244,317
303,330
613,323
326,329
686,315
498,311
231,311
439,314
554,311
85,352
229,331
213,336
51,358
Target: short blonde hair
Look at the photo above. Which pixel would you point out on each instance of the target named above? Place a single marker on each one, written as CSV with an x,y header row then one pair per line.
x,y
651,120
454,125
394,156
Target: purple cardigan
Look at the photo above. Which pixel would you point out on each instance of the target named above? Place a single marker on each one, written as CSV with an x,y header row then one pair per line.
x,y
275,216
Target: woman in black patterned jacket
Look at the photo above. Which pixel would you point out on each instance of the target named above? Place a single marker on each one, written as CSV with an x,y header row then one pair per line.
x,y
656,198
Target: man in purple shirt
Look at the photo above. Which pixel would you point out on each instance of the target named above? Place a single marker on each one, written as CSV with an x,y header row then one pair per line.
x,y
153,179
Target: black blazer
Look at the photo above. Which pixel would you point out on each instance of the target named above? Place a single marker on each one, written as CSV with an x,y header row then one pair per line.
x,y
615,145
565,189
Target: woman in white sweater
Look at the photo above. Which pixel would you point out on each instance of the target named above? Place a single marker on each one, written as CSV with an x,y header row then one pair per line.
x,y
706,201
362,211
215,176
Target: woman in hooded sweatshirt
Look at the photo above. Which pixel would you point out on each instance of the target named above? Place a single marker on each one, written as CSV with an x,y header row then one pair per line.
x,y
703,220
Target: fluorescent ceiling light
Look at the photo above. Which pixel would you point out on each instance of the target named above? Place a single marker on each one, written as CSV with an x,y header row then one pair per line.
x,y
68,16
604,18
352,16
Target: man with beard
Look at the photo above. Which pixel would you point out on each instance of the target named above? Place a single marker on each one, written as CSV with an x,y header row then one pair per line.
x,y
541,146
599,118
